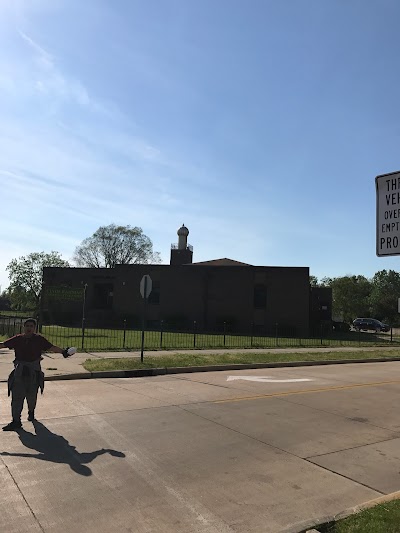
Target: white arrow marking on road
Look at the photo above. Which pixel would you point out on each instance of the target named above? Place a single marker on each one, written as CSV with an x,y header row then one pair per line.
x,y
266,379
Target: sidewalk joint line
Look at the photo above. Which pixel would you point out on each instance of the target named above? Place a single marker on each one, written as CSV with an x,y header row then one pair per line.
x,y
351,448
346,477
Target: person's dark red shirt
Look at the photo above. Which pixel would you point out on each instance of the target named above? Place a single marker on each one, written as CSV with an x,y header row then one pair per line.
x,y
28,348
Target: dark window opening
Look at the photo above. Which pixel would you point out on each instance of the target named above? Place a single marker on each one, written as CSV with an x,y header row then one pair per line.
x,y
154,297
260,297
103,296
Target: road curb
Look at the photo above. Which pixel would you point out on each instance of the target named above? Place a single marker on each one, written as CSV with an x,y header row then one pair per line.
x,y
146,372
310,527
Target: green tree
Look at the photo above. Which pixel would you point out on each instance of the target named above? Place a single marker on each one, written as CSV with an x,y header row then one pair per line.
x,y
350,296
25,274
21,299
115,245
323,282
384,296
5,303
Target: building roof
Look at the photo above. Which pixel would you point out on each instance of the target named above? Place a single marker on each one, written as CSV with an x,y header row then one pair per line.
x,y
221,262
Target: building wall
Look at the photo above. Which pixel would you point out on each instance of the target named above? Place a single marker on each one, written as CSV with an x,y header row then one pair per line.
x,y
208,295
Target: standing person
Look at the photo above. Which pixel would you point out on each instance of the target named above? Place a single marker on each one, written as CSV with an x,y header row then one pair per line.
x,y
27,376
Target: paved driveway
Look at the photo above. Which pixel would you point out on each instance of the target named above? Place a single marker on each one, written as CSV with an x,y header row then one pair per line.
x,y
247,451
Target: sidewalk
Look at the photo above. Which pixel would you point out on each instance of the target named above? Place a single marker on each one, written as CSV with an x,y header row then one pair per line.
x,y
56,365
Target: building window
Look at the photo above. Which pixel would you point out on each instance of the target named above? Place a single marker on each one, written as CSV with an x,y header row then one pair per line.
x,y
260,297
154,297
103,296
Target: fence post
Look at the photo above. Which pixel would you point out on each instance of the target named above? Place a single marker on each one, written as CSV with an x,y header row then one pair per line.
x,y
83,314
391,334
224,333
161,332
359,337
194,334
320,327
252,333
39,321
276,333
123,346
83,333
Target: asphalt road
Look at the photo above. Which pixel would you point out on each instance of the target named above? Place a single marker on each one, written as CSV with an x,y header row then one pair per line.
x,y
247,451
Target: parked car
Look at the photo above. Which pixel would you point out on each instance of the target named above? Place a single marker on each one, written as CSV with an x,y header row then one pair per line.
x,y
370,324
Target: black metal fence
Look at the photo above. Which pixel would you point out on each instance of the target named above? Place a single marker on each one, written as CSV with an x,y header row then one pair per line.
x,y
11,325
164,337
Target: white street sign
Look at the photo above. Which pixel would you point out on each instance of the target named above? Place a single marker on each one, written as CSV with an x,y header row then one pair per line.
x,y
388,214
265,379
145,286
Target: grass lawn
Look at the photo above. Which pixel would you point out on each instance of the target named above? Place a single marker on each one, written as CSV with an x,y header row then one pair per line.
x,y
17,313
384,518
190,359
114,339
117,339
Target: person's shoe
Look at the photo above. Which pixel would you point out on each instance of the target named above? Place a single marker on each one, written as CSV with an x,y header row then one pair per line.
x,y
13,426
31,416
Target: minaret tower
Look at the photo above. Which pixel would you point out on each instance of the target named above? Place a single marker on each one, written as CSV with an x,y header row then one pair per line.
x,y
182,253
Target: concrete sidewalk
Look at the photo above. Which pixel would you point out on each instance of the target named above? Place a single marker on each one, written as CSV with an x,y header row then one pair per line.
x,y
56,365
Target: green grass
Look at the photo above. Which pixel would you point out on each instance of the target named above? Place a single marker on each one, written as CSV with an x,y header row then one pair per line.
x,y
190,359
384,518
115,339
18,313
109,339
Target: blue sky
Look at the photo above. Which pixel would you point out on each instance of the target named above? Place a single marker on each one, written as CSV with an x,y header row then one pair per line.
x,y
259,124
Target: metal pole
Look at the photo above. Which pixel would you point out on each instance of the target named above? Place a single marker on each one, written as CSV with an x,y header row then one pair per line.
x,y
224,333
83,333
320,327
40,314
391,334
252,332
161,332
194,334
83,315
124,333
144,319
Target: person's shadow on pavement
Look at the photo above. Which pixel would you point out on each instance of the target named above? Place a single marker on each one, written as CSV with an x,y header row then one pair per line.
x,y
57,449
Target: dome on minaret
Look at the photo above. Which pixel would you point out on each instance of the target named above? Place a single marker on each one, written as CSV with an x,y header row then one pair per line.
x,y
182,253
183,231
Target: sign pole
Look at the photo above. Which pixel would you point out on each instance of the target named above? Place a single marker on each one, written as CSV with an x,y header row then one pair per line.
x,y
83,315
144,318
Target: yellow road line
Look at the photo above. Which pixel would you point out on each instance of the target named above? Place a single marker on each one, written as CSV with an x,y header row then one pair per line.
x,y
308,391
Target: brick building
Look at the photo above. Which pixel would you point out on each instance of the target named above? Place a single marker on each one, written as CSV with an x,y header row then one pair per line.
x,y
210,293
